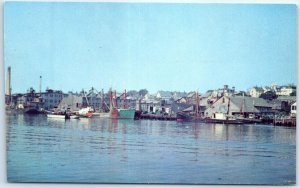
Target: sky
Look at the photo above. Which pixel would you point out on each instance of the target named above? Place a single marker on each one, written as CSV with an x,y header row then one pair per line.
x,y
175,47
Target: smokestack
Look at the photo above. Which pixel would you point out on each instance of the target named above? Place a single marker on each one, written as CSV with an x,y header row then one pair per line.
x,y
40,85
8,81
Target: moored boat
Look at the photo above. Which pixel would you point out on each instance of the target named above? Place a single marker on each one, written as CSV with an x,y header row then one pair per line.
x,y
62,116
126,113
86,112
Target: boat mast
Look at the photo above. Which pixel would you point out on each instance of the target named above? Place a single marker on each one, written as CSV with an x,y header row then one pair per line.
x,y
115,101
243,105
197,104
102,100
110,100
125,100
86,98
228,106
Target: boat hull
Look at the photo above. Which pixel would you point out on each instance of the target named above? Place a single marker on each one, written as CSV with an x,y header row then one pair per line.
x,y
224,121
56,116
126,113
250,120
60,116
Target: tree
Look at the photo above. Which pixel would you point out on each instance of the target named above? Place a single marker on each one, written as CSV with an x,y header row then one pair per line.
x,y
143,92
293,93
132,93
269,95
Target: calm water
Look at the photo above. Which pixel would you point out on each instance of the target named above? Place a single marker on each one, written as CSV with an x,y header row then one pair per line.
x,y
125,151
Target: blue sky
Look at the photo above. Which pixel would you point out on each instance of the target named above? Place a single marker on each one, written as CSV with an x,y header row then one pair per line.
x,y
177,47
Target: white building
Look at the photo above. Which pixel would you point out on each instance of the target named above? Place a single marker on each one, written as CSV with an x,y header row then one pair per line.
x,y
286,90
293,110
256,91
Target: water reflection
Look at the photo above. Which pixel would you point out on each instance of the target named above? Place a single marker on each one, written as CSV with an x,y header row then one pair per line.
x,y
130,151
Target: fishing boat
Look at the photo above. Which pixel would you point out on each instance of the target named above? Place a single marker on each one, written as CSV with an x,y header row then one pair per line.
x,y
196,117
120,113
126,113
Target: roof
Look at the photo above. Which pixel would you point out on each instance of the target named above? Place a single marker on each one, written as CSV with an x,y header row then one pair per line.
x,y
287,98
276,104
192,94
165,94
179,94
207,94
249,102
177,107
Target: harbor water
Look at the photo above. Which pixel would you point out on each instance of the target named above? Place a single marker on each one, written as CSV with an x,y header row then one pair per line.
x,y
40,149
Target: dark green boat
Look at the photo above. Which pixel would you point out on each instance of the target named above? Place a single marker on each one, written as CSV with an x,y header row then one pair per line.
x,y
126,113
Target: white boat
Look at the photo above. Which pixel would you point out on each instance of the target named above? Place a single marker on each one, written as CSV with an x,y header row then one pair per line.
x,y
74,117
86,112
57,116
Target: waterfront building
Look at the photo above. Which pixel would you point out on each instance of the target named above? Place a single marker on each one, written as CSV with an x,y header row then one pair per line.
x,y
293,110
164,97
236,105
31,99
150,104
51,98
73,102
288,99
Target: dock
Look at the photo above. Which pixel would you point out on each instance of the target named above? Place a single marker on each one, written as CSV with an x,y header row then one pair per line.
x,y
158,117
285,122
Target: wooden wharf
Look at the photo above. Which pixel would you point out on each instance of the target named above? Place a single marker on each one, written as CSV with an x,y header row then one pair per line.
x,y
158,117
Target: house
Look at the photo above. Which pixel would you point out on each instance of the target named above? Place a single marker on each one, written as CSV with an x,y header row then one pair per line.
x,y
179,107
293,110
256,91
235,105
164,96
150,104
178,95
182,100
286,90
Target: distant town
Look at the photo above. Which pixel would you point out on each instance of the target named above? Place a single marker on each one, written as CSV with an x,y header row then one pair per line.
x,y
260,101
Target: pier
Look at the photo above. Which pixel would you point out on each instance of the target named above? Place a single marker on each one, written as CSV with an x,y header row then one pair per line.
x,y
158,117
285,122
